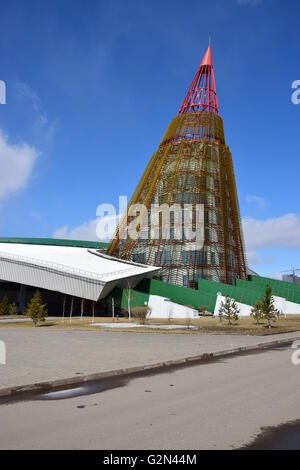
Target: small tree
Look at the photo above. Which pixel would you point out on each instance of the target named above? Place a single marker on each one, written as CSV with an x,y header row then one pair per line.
x,y
13,309
229,310
4,306
268,308
257,311
36,310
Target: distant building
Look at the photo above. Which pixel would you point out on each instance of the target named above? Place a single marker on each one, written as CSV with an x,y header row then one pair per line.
x,y
291,278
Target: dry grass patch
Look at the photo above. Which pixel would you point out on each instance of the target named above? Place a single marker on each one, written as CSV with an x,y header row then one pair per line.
x,y
205,325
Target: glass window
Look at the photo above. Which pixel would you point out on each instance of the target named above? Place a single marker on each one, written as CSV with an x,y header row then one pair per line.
x,y
139,258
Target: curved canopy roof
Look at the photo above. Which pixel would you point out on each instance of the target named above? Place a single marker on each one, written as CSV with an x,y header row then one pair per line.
x,y
76,271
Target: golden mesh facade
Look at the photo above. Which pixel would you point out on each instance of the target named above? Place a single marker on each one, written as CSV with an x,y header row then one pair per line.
x,y
192,165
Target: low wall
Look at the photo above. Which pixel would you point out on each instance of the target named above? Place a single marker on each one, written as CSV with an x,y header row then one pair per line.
x,y
284,306
162,307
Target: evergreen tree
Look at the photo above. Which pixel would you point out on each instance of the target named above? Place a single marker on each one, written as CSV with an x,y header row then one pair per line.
x,y
4,306
36,310
13,309
257,311
268,308
229,310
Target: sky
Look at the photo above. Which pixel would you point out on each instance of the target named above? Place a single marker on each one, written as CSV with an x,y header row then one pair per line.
x,y
92,86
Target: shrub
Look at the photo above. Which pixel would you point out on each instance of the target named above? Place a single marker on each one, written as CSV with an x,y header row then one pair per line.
x,y
202,308
13,309
4,306
140,313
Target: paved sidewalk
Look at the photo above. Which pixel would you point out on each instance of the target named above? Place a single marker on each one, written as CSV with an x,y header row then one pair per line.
x,y
41,355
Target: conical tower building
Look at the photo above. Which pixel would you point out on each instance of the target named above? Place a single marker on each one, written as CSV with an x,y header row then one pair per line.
x,y
192,167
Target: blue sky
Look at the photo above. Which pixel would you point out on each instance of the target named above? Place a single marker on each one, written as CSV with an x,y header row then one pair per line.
x,y
92,86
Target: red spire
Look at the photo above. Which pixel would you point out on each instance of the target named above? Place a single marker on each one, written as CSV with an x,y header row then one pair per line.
x,y
201,95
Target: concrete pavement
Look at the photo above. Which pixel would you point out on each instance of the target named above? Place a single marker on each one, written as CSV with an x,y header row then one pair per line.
x,y
42,355
220,405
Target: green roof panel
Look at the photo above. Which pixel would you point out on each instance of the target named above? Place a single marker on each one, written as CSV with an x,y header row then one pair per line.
x,y
56,242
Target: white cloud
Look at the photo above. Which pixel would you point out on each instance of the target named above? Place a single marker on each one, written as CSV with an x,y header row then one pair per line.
x,y
258,201
16,165
277,276
254,258
85,231
283,231
43,126
277,232
88,230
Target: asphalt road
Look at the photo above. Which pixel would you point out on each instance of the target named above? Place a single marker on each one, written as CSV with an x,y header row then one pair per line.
x,y
220,405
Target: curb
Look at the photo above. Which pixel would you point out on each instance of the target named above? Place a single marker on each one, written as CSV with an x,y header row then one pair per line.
x,y
42,387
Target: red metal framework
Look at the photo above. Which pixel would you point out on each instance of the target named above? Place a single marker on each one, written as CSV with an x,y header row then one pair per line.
x,y
201,95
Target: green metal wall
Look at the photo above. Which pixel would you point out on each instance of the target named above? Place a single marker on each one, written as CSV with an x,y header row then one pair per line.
x,y
284,289
120,296
178,294
240,294
246,292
